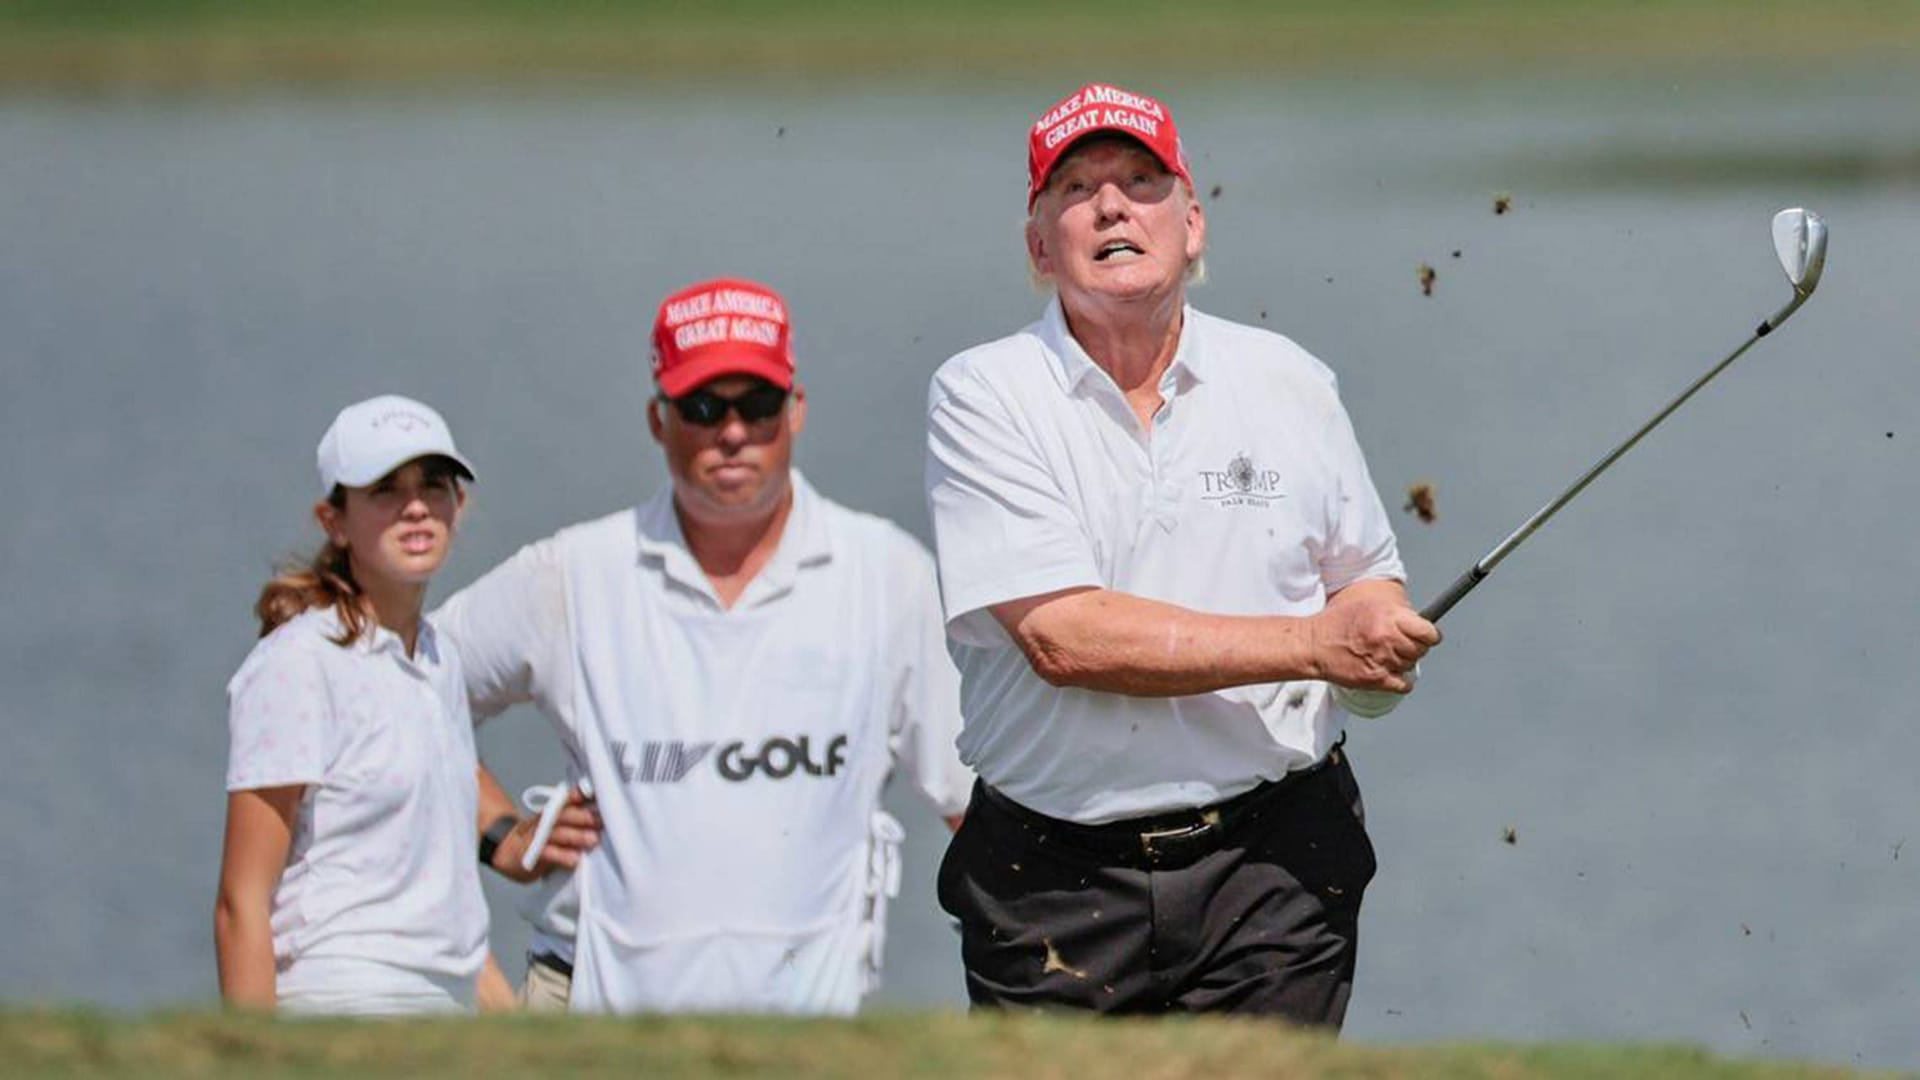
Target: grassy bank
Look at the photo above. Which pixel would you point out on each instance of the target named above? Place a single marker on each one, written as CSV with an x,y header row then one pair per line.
x,y
930,1045
159,44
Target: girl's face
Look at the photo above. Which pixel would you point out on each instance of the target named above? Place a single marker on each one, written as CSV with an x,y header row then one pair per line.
x,y
399,528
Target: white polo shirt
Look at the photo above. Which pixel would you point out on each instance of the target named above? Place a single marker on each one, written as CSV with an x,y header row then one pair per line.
x,y
737,754
381,895
1250,497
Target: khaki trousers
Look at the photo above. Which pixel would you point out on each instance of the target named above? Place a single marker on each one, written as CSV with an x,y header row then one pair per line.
x,y
545,989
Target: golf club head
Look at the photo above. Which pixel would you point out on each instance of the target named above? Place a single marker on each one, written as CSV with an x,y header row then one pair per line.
x,y
1800,239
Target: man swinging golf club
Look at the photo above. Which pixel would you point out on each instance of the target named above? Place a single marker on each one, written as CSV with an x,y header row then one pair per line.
x,y
1160,554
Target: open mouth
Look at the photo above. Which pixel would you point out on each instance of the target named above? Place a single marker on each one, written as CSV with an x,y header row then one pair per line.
x,y
417,543
1123,249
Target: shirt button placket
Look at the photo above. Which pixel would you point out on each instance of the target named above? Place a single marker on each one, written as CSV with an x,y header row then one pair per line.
x,y
1165,495
430,704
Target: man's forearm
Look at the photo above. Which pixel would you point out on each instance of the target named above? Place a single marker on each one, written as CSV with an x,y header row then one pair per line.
x,y
1097,639
1367,637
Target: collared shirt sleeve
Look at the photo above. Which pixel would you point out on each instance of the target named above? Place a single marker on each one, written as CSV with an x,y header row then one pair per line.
x,y
1361,545
279,719
1003,527
510,629
925,723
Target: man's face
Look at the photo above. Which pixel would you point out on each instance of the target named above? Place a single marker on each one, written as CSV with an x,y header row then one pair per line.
x,y
1114,226
737,469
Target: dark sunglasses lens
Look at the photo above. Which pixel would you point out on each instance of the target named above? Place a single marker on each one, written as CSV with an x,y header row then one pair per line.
x,y
708,409
703,407
760,403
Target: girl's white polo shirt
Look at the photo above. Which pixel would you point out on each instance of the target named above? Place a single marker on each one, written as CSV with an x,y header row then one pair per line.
x,y
381,895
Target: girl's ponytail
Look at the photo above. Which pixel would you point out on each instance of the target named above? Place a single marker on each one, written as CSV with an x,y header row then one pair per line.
x,y
324,581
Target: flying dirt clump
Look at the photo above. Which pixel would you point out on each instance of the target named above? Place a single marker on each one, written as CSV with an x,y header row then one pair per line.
x,y
1421,503
1427,278
1502,202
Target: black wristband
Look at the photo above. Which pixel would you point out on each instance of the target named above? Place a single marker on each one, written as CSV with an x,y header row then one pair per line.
x,y
496,833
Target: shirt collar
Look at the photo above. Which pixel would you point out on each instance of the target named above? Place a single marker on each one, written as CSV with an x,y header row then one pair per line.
x,y
377,640
804,542
1072,365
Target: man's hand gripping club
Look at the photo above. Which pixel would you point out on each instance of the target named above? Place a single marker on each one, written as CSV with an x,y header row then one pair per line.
x,y
1369,641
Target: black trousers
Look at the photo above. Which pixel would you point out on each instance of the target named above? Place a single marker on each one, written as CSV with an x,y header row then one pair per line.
x,y
1251,906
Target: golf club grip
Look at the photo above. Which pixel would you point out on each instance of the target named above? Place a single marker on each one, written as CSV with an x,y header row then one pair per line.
x,y
1455,593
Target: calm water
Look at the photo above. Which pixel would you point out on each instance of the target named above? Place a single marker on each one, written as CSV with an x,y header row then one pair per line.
x,y
1691,698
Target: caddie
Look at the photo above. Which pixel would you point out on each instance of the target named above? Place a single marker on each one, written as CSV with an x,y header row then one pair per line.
x,y
1164,567
737,664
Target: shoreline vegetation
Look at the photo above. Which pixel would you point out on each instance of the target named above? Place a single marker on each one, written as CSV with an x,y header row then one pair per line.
x,y
175,45
64,1042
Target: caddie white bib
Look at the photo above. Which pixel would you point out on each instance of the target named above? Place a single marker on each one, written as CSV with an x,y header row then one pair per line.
x,y
737,757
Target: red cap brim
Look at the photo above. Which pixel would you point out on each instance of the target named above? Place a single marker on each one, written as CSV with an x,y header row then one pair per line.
x,y
1176,166
689,376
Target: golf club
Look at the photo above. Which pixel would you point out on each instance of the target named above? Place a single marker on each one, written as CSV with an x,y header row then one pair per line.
x,y
1800,240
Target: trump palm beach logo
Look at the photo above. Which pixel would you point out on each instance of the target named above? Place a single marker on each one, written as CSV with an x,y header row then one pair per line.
x,y
1241,483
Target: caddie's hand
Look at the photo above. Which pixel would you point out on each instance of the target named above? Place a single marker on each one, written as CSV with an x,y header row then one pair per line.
x,y
1369,637
575,832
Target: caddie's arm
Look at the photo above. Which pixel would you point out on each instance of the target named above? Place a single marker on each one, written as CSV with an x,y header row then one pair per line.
x,y
1099,639
575,832
926,717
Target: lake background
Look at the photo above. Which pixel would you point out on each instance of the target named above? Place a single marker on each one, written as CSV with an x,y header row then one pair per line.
x,y
1691,698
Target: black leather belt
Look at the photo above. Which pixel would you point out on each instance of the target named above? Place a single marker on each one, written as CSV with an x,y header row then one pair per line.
x,y
552,962
1173,836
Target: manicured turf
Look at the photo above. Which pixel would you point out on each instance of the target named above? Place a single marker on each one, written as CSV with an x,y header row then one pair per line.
x,y
884,1045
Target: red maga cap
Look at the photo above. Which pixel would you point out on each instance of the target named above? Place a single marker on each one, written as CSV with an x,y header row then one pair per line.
x,y
1094,109
727,326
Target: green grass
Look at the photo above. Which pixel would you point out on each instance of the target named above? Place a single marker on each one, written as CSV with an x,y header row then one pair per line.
x,y
65,1043
169,43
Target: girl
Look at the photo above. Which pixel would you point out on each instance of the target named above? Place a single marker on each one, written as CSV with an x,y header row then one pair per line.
x,y
348,882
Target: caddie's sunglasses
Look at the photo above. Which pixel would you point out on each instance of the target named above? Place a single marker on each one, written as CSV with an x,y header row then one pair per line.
x,y
708,409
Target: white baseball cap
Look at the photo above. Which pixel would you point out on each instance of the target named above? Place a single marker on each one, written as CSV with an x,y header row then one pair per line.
x,y
371,438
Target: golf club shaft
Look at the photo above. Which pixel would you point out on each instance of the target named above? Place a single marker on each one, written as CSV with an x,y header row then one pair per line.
x,y
1478,572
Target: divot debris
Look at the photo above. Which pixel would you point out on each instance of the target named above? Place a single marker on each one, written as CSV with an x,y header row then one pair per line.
x,y
1421,503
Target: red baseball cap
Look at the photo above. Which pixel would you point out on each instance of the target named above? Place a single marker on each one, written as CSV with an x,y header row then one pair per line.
x,y
1094,109
727,326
